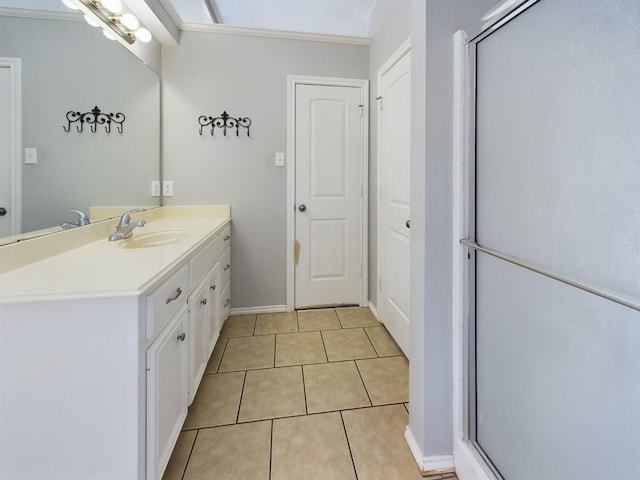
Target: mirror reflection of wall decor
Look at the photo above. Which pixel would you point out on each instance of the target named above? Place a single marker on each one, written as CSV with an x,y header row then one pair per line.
x,y
93,170
224,121
94,118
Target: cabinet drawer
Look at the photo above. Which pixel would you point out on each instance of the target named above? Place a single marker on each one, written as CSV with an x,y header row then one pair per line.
x,y
201,264
166,300
225,267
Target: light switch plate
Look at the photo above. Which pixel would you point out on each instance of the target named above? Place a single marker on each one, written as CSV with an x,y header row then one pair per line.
x,y
279,159
30,156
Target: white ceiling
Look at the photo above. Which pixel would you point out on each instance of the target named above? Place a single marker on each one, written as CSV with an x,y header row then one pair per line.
x,y
337,17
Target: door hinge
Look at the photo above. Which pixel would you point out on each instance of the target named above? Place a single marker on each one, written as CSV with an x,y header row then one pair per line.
x,y
380,193
379,98
361,110
380,283
360,191
360,271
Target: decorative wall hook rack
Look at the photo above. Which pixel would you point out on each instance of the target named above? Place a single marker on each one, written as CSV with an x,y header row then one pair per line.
x,y
224,121
94,118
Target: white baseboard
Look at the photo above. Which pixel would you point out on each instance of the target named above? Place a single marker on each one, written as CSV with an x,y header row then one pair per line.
x,y
254,310
433,464
374,310
467,465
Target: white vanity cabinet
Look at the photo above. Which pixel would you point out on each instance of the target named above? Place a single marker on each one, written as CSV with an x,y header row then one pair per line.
x,y
225,273
166,392
199,306
96,341
215,312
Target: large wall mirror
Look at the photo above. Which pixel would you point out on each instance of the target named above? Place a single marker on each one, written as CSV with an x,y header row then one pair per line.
x,y
68,66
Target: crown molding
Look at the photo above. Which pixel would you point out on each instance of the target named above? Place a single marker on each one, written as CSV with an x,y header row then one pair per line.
x,y
40,14
284,34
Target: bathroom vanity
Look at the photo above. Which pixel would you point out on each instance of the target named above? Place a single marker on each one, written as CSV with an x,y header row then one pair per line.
x,y
103,344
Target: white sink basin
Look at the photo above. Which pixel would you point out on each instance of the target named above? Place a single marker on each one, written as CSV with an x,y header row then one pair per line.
x,y
156,239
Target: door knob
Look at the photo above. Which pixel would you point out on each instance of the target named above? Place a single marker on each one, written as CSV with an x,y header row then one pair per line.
x,y
408,223
3,211
302,208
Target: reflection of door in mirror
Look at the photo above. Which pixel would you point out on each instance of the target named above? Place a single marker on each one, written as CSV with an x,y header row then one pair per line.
x,y
8,144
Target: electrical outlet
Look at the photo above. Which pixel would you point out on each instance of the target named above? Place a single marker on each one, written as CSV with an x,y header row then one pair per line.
x,y
155,188
167,188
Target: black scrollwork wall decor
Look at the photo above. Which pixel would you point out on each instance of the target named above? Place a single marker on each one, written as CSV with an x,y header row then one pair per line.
x,y
224,121
94,118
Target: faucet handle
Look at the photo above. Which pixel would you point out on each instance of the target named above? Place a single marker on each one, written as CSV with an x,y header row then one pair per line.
x,y
124,220
82,218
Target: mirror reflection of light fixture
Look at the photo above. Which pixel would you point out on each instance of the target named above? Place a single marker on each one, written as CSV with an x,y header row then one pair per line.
x,y
107,14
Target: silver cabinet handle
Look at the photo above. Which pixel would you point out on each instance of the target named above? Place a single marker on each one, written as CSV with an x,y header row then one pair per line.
x,y
203,301
227,237
175,296
182,336
226,304
227,267
302,208
408,223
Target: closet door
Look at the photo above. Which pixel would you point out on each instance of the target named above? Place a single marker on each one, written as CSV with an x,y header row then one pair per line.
x,y
555,369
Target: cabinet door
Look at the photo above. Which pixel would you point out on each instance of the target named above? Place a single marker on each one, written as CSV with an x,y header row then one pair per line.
x,y
215,313
198,336
166,393
225,299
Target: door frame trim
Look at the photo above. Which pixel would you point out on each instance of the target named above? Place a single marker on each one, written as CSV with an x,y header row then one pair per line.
x,y
292,82
386,66
15,68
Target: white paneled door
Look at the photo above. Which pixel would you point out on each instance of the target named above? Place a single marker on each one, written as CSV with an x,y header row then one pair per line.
x,y
6,159
329,200
394,153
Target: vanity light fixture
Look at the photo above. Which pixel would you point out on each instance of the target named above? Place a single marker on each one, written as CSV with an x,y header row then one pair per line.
x,y
108,15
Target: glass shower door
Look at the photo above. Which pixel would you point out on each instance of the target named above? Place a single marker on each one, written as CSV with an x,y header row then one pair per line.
x,y
555,266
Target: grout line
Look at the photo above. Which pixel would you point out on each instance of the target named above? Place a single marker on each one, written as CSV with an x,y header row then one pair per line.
x,y
371,342
184,470
244,381
353,462
271,451
304,391
364,383
326,355
224,350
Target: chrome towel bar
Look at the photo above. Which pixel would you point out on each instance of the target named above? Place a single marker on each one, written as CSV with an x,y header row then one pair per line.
x,y
546,273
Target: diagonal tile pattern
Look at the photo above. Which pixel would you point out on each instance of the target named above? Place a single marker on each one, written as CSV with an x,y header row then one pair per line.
x,y
313,394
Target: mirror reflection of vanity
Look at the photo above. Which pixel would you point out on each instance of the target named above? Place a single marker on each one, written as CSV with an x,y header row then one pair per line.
x,y
68,66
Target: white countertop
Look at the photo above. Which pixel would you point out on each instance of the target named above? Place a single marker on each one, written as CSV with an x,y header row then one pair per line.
x,y
97,267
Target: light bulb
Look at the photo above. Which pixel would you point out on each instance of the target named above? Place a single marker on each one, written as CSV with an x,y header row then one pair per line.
x,y
143,35
109,34
91,20
70,4
130,21
114,6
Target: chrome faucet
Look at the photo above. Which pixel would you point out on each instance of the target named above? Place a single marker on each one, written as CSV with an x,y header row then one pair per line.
x,y
82,220
125,228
